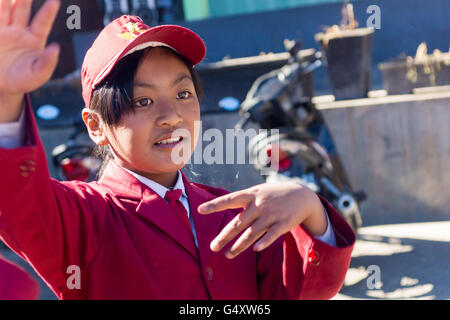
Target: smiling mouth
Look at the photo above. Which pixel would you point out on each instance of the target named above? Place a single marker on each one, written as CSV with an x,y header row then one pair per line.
x,y
169,142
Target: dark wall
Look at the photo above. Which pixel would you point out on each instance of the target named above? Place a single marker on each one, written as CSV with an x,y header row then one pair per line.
x,y
90,19
404,24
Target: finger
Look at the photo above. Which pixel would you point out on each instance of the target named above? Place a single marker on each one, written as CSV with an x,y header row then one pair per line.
x,y
46,63
43,20
238,199
5,12
234,227
21,13
250,235
274,232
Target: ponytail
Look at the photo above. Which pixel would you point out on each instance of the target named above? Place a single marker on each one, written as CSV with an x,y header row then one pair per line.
x,y
104,154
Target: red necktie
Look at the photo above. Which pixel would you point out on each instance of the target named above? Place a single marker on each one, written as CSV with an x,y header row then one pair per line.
x,y
173,196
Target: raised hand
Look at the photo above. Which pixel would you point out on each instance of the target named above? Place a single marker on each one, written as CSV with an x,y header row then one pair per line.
x,y
25,62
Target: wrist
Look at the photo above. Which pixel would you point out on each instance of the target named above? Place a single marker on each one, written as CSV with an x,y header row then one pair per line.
x,y
11,107
316,223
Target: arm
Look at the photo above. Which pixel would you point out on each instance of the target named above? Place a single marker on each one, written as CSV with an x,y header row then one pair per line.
x,y
50,224
310,269
280,221
12,134
328,237
324,266
15,283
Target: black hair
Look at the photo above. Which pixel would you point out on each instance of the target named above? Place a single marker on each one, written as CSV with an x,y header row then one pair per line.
x,y
113,97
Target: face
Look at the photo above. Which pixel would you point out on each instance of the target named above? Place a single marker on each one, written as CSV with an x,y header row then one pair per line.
x,y
166,107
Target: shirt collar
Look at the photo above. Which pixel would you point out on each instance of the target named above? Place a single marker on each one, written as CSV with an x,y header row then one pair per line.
x,y
160,189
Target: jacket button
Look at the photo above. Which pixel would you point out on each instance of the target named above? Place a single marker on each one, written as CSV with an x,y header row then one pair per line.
x,y
209,273
313,257
27,167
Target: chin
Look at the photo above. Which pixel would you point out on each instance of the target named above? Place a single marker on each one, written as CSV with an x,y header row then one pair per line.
x,y
168,168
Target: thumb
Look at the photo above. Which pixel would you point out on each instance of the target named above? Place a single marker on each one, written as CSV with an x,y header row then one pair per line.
x,y
46,63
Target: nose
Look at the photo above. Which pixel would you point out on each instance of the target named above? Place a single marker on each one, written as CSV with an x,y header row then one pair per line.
x,y
168,116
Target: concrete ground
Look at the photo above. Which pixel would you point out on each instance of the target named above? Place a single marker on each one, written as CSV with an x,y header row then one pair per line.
x,y
400,261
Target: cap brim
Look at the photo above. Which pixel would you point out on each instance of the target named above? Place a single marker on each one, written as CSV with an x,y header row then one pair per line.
x,y
180,39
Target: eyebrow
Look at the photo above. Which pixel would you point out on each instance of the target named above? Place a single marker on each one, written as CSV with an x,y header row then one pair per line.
x,y
175,82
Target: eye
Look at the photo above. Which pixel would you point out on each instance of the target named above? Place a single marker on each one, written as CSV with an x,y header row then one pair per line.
x,y
144,102
184,95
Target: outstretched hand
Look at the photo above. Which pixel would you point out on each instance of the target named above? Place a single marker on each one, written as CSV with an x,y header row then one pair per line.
x,y
25,61
269,211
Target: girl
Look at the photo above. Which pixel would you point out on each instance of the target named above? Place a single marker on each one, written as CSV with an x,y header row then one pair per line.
x,y
144,231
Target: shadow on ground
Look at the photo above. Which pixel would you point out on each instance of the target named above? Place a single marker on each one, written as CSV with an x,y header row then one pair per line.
x,y
408,261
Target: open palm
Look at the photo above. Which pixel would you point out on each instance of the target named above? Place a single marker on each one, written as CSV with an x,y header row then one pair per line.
x,y
25,61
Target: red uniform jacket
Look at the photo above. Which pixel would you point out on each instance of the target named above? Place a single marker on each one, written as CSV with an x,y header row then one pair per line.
x,y
123,242
16,283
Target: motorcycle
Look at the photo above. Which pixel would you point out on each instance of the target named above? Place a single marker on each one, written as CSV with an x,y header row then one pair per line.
x,y
73,160
305,150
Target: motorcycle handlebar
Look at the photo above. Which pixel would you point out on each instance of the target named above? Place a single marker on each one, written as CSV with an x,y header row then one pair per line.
x,y
242,122
305,68
290,70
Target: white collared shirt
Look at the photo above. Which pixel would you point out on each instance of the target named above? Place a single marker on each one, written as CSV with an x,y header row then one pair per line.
x,y
161,191
12,133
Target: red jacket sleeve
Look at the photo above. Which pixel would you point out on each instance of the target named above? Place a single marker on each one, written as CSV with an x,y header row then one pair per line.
x,y
311,269
299,266
16,283
46,222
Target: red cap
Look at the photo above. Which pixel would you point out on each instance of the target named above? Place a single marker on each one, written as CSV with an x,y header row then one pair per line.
x,y
128,34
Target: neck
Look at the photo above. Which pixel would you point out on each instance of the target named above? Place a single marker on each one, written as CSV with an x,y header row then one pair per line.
x,y
167,180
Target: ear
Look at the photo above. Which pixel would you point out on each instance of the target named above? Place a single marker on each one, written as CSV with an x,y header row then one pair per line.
x,y
95,126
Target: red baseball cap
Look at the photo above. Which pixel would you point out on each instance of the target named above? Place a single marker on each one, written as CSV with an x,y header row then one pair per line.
x,y
128,34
